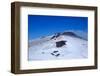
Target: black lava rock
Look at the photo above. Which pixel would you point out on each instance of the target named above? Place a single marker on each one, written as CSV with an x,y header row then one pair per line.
x,y
60,43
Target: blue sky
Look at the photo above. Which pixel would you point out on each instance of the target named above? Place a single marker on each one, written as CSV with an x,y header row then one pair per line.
x,y
43,25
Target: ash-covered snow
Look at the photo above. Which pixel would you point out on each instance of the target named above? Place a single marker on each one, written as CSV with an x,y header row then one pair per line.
x,y
45,48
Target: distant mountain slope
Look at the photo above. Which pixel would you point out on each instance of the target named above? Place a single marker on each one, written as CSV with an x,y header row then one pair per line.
x,y
69,33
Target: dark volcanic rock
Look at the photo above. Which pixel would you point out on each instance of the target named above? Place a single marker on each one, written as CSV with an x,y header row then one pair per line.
x,y
56,35
60,43
55,53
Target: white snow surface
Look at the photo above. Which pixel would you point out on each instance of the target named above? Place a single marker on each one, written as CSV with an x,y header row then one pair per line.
x,y
43,48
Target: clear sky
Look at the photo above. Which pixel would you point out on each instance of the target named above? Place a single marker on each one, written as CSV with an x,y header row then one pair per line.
x,y
43,25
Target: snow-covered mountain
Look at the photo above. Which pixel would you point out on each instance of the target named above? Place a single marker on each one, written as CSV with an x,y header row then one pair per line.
x,y
65,45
